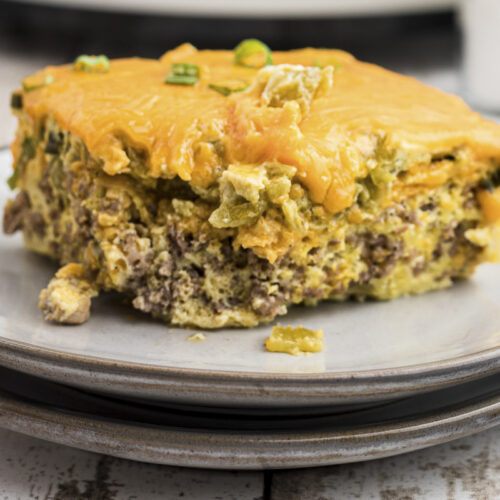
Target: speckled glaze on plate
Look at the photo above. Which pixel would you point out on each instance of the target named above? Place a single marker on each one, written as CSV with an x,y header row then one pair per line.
x,y
374,351
195,438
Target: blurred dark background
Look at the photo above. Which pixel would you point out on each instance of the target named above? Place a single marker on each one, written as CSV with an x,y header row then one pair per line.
x,y
66,32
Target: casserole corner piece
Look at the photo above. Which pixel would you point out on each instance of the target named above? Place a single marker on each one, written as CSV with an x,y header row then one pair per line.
x,y
218,188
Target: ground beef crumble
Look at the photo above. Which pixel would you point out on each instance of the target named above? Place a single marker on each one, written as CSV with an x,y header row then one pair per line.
x,y
15,213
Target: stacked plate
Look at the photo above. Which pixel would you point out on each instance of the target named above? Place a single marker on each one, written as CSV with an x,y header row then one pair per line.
x,y
394,377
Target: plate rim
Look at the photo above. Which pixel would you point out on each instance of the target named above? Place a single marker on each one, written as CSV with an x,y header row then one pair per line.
x,y
262,387
241,450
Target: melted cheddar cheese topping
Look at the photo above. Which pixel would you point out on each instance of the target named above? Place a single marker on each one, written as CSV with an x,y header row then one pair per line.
x,y
328,145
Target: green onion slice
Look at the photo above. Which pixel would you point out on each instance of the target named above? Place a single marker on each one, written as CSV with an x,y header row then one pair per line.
x,y
228,87
246,51
28,152
91,64
185,69
181,79
34,83
183,74
13,180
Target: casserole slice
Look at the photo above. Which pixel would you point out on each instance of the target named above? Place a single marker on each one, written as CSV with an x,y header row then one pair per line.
x,y
218,188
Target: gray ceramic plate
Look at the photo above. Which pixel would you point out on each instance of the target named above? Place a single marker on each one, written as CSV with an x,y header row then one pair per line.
x,y
192,437
374,351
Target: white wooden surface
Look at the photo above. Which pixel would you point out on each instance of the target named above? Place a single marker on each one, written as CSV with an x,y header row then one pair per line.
x,y
34,469
468,469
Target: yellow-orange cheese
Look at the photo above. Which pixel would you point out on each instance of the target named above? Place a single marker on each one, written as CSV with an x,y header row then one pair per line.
x,y
132,104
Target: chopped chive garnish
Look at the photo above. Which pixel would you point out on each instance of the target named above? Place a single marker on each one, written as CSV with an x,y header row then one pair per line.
x,y
185,69
181,79
16,101
246,50
13,180
228,88
28,86
183,74
91,64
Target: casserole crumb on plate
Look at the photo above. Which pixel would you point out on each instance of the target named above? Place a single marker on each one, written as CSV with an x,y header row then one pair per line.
x,y
295,340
